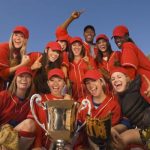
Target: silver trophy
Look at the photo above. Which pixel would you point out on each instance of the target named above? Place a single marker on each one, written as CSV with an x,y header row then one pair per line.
x,y
61,119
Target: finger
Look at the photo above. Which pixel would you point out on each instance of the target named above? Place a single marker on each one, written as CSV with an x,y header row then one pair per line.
x,y
81,11
39,58
147,80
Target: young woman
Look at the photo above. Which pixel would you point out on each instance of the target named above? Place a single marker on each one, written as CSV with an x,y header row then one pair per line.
x,y
134,127
50,59
13,55
101,103
15,104
106,58
89,33
78,65
56,82
132,57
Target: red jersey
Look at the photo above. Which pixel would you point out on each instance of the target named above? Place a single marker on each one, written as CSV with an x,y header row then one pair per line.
x,y
5,63
41,138
134,57
12,110
110,64
110,104
76,72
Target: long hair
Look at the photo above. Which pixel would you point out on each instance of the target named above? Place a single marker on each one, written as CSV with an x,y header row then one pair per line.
x,y
41,78
13,88
99,56
71,55
21,52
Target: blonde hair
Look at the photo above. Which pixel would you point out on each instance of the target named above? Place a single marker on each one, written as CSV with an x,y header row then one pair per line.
x,y
103,85
16,61
13,87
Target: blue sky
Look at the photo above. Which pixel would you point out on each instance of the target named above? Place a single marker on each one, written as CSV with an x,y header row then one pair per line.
x,y
42,17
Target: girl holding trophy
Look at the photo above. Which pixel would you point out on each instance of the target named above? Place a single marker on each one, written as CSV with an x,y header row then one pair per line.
x,y
56,82
95,111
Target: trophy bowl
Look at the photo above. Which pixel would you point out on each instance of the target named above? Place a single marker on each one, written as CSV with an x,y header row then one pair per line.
x,y
61,118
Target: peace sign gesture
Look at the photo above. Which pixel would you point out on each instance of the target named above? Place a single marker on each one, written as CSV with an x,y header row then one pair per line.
x,y
147,92
37,64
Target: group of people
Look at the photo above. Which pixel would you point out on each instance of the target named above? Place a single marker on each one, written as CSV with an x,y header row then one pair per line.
x,y
113,82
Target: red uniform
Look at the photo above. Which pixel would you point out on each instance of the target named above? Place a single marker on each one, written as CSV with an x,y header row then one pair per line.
x,y
5,63
110,64
134,57
12,110
42,139
110,104
76,72
60,32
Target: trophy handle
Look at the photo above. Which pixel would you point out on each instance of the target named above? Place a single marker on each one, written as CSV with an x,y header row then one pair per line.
x,y
37,98
85,103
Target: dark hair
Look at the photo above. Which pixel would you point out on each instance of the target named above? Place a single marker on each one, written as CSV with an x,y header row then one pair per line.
x,y
99,56
89,26
71,55
41,78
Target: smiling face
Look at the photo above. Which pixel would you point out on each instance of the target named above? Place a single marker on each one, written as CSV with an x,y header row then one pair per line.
x,y
18,40
94,87
52,54
23,81
119,41
89,35
76,48
119,81
56,85
102,45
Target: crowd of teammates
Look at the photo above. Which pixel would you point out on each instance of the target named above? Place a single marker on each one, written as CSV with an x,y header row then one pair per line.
x,y
70,68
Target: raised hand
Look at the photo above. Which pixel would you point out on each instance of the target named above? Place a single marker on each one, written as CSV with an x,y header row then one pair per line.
x,y
25,60
76,14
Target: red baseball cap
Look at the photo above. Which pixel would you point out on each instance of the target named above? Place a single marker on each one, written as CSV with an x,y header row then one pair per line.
x,y
23,30
122,70
102,36
62,38
92,74
76,39
54,46
23,69
120,31
56,72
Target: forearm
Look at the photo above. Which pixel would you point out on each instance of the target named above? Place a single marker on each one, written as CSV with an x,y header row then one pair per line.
x,y
120,128
67,22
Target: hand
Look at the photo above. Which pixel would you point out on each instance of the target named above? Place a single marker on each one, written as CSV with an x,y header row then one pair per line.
x,y
147,92
37,64
76,14
86,59
25,60
117,141
67,97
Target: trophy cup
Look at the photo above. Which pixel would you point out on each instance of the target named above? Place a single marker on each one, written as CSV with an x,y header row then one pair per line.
x,y
61,119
